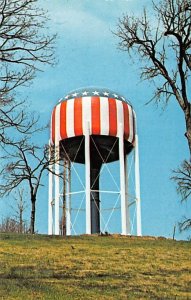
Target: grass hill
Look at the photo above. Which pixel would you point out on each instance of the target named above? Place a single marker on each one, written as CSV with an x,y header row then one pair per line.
x,y
93,267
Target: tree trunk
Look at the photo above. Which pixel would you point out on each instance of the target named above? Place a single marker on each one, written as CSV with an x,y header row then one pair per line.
x,y
21,213
21,221
33,210
188,126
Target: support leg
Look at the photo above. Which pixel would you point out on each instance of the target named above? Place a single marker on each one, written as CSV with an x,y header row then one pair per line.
x,y
57,171
57,191
87,176
126,196
50,196
137,187
124,206
68,199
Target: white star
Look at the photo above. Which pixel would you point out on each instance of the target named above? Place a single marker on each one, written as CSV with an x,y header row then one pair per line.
x,y
85,93
75,94
116,96
67,96
106,94
123,98
96,93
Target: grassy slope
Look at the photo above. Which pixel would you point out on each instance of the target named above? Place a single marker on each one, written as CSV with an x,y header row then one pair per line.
x,y
93,267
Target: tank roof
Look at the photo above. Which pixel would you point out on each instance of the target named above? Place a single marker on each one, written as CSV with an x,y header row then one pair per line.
x,y
94,91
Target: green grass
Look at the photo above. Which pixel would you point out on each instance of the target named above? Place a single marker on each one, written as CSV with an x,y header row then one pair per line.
x,y
93,267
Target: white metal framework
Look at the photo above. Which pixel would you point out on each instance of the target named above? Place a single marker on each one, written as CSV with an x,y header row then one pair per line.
x,y
56,191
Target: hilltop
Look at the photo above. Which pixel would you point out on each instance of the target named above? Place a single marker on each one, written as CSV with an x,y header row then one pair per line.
x,y
93,267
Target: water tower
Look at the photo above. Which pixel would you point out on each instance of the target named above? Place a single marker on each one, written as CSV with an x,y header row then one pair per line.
x,y
93,127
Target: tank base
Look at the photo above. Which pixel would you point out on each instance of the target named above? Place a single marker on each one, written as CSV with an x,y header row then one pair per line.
x,y
102,148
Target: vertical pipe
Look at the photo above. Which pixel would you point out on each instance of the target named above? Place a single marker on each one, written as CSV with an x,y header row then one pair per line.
x,y
95,201
87,176
68,202
57,189
50,193
126,196
137,187
124,230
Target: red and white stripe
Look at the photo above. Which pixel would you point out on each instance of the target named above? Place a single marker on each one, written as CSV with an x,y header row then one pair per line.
x,y
103,114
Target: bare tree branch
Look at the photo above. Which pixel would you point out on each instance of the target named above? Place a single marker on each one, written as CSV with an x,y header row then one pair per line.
x,y
26,163
25,47
182,176
164,50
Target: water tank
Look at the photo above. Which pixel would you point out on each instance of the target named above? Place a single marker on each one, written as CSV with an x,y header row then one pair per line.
x,y
104,112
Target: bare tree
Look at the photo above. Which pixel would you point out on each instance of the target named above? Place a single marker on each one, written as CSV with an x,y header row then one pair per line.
x,y
10,224
25,47
163,44
19,208
27,163
15,222
182,177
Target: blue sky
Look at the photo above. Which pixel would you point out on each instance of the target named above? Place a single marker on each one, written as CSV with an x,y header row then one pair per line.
x,y
87,55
